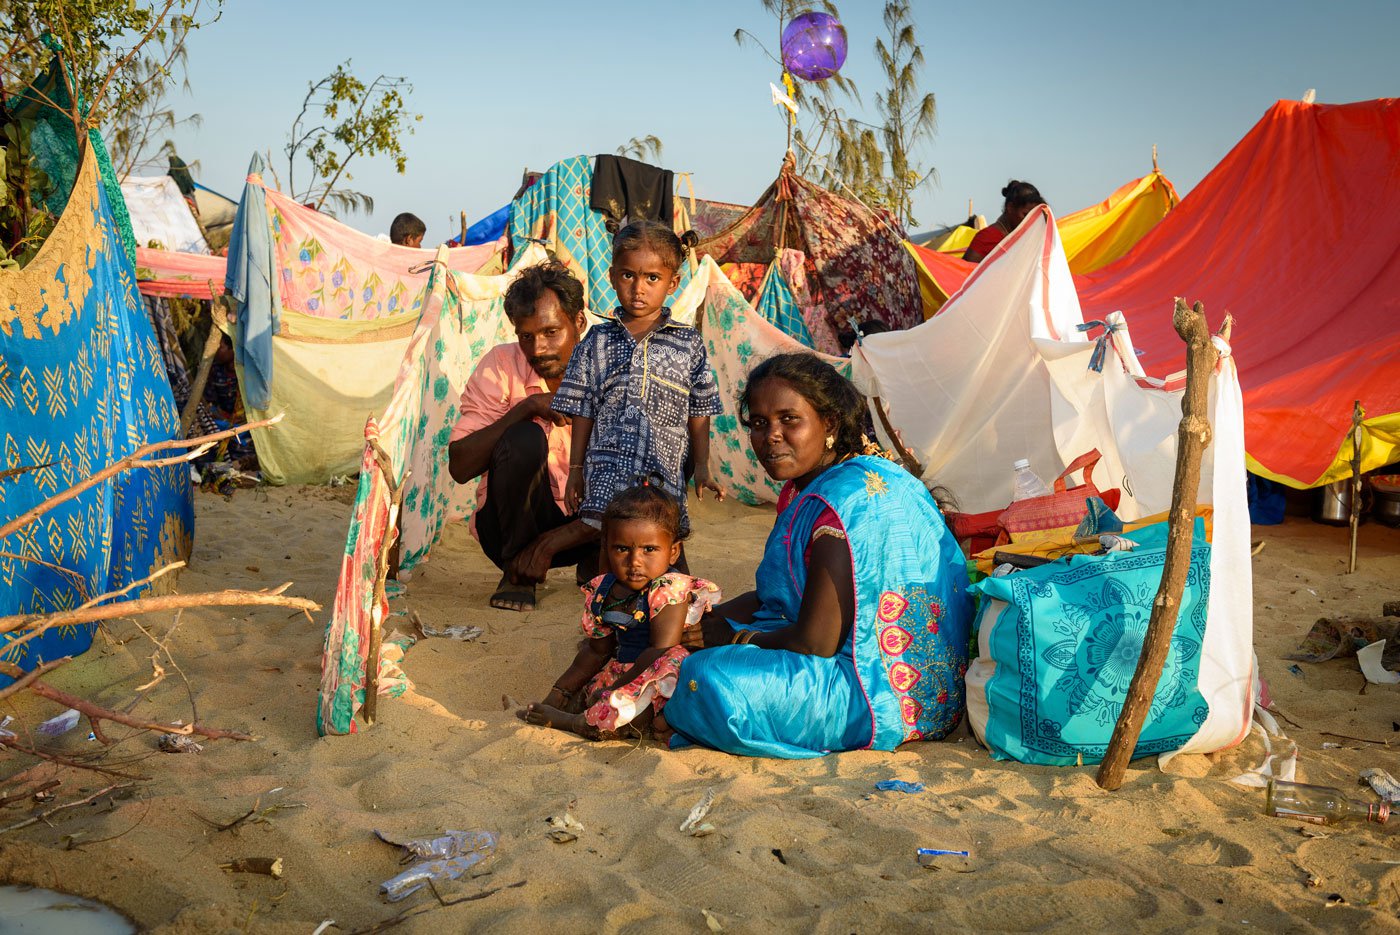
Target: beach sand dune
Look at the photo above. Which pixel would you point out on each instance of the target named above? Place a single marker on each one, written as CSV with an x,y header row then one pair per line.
x,y
799,846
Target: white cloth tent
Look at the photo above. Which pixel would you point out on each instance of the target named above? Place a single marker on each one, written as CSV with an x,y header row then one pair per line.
x,y
1002,373
160,214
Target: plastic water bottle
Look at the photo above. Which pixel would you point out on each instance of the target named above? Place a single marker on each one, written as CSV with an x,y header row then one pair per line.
x,y
1320,805
1028,485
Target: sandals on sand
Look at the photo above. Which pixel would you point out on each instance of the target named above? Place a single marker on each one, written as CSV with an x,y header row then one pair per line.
x,y
518,597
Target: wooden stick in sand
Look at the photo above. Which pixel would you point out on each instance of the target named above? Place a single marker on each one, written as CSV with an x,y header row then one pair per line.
x,y
1192,437
1358,415
381,574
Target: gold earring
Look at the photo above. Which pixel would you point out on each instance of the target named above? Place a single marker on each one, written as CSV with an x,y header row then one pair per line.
x,y
830,442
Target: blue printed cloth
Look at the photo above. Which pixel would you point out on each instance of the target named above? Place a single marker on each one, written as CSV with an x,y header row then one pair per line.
x,y
252,284
640,396
898,676
555,210
1066,646
776,303
82,385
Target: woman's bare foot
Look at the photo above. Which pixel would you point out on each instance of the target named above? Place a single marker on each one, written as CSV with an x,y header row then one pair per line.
x,y
548,716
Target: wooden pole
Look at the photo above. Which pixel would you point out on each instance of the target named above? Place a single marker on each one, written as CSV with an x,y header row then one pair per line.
x,y
1192,437
1357,416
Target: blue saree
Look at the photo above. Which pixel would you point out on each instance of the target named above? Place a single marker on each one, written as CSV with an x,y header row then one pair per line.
x,y
899,674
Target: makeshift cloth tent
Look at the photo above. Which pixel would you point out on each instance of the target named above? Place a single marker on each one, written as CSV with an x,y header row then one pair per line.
x,y
856,264
954,240
324,314
54,146
463,318
216,212
1095,236
161,215
1003,373
555,211
1317,301
82,385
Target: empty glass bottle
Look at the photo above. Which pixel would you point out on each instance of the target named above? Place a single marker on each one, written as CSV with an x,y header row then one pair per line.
x,y
1321,805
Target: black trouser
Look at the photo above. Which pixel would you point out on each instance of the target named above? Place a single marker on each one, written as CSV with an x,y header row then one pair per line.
x,y
520,503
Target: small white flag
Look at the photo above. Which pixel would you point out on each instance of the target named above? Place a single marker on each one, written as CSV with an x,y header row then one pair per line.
x,y
782,100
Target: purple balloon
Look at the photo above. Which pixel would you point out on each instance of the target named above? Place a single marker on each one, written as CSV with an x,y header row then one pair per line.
x,y
814,46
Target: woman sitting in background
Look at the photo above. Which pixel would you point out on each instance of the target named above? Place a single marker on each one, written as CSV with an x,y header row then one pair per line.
x,y
857,633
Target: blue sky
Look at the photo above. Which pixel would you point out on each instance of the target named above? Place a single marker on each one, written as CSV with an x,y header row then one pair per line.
x,y
1070,96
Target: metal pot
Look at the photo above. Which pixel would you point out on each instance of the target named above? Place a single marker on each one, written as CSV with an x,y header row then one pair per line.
x,y
1334,504
1387,507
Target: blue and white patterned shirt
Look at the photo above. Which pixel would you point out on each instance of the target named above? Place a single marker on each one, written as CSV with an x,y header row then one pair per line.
x,y
640,396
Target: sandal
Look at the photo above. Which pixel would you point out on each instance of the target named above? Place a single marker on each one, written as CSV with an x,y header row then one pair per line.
x,y
518,597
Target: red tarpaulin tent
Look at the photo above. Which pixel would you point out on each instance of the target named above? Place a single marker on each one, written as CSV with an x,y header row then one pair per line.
x,y
1297,234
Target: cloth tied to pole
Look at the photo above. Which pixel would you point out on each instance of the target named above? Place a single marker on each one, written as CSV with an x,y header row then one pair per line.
x,y
1100,343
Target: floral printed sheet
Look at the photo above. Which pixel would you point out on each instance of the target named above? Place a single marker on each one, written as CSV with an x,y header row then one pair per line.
x,y
330,270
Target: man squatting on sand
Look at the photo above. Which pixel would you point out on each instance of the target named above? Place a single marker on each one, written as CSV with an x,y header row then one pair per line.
x,y
509,437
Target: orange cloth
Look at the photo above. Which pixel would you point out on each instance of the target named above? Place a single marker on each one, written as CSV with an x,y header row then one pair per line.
x,y
502,379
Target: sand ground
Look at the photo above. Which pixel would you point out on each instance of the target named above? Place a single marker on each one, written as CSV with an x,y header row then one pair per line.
x,y
800,846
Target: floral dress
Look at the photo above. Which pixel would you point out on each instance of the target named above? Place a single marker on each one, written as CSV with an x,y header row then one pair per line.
x,y
630,622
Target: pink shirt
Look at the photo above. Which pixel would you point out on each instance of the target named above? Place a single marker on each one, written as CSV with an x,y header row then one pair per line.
x,y
503,378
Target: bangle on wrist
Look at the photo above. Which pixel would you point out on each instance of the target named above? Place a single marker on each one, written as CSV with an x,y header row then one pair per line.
x,y
576,467
743,636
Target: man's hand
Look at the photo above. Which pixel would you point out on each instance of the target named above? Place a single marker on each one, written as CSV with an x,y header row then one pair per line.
x,y
532,565
704,482
537,407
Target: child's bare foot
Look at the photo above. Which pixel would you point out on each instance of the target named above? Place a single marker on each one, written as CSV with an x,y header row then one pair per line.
x,y
661,731
547,716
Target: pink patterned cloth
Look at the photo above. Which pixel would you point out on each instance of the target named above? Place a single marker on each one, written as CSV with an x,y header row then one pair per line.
x,y
329,270
621,705
196,275
671,588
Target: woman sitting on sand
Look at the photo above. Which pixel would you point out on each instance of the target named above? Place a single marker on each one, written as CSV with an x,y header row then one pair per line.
x,y
857,634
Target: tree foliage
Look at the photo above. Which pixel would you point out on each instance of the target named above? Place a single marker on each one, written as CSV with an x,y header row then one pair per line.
x,y
97,53
642,148
343,119
909,118
873,162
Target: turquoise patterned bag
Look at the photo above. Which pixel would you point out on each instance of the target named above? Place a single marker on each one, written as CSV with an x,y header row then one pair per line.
x,y
1065,638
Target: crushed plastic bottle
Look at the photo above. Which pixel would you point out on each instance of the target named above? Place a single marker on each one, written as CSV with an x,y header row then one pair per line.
x,y
1027,483
456,852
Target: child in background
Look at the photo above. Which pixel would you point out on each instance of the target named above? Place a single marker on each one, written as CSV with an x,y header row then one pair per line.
x,y
633,618
639,388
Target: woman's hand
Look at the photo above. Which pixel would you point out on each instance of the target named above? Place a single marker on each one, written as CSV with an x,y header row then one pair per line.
x,y
574,489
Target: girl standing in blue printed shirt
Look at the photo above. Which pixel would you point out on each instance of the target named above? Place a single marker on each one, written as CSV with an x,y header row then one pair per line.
x,y
639,389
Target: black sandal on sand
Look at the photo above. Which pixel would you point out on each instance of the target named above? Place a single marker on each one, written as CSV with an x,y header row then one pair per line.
x,y
518,597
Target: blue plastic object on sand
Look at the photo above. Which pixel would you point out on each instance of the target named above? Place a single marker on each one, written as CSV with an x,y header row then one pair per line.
x,y
899,785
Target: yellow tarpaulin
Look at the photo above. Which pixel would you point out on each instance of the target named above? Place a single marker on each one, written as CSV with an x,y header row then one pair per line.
x,y
1098,235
